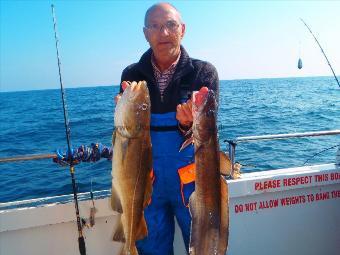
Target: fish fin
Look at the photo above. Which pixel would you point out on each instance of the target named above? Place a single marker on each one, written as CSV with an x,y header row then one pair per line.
x,y
119,236
194,230
186,143
148,186
192,206
125,145
224,163
142,230
224,226
113,137
148,191
198,149
116,205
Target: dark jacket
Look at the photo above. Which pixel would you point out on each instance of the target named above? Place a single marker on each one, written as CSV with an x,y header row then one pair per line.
x,y
190,75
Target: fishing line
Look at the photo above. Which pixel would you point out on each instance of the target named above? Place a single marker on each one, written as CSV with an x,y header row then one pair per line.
x,y
93,209
318,153
81,241
322,52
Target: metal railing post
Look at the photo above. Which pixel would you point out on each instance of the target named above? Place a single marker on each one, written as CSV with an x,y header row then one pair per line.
x,y
232,151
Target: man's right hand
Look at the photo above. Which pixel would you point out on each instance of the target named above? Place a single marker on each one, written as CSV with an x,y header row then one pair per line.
x,y
117,97
184,114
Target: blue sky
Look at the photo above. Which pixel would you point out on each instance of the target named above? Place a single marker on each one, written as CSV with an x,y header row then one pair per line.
x,y
243,39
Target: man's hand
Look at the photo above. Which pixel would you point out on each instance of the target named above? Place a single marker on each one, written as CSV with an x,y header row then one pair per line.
x,y
184,114
124,85
117,97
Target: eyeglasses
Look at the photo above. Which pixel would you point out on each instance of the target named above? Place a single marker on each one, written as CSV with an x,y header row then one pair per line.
x,y
171,26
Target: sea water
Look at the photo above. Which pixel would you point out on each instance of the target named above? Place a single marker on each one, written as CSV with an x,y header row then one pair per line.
x,y
32,123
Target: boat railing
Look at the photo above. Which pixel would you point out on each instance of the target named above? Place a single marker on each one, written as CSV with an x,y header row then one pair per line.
x,y
232,146
243,139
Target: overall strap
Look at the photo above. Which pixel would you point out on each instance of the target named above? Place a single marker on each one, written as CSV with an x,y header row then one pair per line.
x,y
163,122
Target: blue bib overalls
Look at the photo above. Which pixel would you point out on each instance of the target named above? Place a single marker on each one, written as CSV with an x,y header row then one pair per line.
x,y
166,199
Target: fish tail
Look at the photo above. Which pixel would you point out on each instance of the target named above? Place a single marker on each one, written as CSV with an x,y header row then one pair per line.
x,y
119,235
192,250
129,251
224,226
115,200
194,230
142,230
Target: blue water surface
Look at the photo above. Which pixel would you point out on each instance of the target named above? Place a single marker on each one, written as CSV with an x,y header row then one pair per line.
x,y
32,123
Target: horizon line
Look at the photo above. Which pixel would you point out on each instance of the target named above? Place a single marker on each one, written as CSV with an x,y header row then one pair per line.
x,y
116,85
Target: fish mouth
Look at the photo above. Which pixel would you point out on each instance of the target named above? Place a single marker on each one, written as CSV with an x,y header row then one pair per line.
x,y
204,114
201,98
136,96
137,88
133,110
137,92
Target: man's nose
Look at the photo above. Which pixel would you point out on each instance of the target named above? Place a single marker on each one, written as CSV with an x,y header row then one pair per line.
x,y
164,30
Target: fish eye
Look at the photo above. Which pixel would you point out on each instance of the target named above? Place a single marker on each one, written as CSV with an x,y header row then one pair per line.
x,y
144,107
210,113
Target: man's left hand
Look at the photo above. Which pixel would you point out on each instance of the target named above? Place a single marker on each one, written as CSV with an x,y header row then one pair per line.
x,y
184,114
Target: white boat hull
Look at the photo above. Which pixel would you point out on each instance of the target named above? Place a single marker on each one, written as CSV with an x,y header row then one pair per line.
x,y
287,211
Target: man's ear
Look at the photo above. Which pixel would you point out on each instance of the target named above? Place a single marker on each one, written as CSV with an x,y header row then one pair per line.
x,y
183,30
145,31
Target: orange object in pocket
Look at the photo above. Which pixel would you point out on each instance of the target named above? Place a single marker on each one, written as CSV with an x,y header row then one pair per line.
x,y
187,175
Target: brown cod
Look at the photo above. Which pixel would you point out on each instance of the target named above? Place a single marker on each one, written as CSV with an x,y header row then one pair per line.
x,y
209,202
131,165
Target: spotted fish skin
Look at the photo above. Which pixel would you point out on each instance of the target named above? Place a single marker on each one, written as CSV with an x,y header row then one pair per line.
x,y
131,165
209,202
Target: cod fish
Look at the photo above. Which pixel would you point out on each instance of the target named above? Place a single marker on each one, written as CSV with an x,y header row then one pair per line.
x,y
209,202
131,165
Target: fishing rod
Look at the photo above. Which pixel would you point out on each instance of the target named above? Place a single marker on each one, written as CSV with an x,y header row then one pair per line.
x,y
321,51
28,157
83,153
81,241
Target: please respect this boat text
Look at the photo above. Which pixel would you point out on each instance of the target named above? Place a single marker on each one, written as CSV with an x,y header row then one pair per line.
x,y
281,184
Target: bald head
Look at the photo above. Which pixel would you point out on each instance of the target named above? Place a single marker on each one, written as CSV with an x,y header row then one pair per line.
x,y
165,7
164,32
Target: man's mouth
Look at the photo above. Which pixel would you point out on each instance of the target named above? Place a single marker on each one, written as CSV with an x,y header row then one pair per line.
x,y
163,43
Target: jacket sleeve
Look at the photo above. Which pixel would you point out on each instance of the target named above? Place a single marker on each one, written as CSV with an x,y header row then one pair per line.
x,y
209,78
122,78
128,74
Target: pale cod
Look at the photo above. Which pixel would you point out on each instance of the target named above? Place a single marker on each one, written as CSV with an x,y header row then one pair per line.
x,y
131,165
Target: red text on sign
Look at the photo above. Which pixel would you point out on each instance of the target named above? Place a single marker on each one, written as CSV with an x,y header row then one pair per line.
x,y
297,180
269,184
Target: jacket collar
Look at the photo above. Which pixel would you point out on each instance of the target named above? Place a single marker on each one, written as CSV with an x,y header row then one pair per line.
x,y
183,67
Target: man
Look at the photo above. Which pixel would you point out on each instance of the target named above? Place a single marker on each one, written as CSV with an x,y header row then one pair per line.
x,y
171,76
